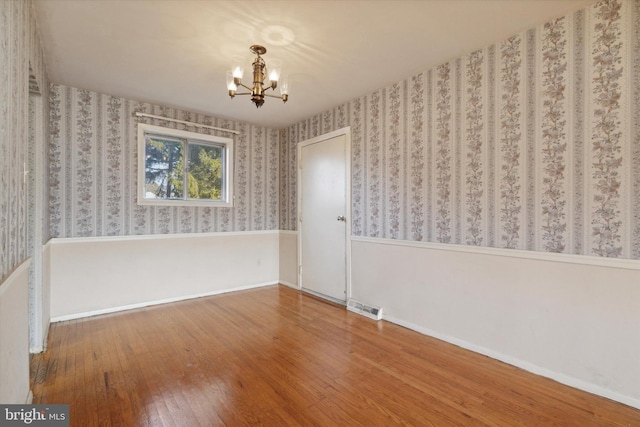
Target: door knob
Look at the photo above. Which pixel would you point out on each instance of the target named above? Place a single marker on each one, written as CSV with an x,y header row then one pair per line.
x,y
341,218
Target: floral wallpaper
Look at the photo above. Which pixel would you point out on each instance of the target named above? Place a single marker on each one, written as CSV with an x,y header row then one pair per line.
x,y
531,143
21,70
93,171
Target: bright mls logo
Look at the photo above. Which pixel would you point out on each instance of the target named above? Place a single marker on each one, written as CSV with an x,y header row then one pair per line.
x,y
34,415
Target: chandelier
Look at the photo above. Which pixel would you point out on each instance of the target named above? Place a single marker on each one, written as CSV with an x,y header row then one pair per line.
x,y
260,85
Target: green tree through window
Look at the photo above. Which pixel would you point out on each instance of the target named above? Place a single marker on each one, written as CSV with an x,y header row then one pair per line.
x,y
205,172
163,164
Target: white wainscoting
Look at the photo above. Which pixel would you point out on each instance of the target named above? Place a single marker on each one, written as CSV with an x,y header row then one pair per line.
x,y
14,336
289,258
46,296
575,319
99,275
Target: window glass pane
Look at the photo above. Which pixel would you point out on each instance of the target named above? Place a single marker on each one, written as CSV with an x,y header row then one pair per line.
x,y
164,168
205,171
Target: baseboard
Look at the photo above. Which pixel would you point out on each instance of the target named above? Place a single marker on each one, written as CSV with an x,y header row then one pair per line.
x,y
290,285
158,302
561,378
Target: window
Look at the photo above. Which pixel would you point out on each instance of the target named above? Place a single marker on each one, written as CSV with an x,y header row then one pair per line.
x,y
177,167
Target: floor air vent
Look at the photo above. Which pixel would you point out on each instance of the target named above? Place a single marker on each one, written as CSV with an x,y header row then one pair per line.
x,y
374,313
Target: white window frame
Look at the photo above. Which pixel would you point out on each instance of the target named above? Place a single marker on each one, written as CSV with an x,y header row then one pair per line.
x,y
227,179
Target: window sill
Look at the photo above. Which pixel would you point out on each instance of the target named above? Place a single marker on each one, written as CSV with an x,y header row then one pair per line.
x,y
186,203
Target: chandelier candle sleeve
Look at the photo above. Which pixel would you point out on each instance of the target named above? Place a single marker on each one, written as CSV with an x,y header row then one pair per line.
x,y
260,75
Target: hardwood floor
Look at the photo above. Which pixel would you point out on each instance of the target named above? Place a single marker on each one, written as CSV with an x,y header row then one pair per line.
x,y
275,357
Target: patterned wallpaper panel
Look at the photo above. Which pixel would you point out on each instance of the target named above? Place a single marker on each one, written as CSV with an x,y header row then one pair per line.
x,y
20,58
531,143
93,176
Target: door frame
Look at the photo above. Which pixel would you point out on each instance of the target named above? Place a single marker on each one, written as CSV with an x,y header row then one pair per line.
x,y
346,131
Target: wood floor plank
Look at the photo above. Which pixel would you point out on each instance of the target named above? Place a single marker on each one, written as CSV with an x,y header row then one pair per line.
x,y
277,357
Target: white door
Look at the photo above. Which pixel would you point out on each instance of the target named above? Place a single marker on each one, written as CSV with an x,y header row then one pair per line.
x,y
324,215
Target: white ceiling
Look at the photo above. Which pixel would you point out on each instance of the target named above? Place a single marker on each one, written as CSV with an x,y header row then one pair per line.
x,y
177,52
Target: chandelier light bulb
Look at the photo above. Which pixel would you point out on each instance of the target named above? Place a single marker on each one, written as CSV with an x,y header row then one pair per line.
x,y
284,86
275,66
238,72
284,89
230,81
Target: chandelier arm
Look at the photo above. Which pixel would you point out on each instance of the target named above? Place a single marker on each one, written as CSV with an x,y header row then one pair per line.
x,y
245,86
272,96
244,93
